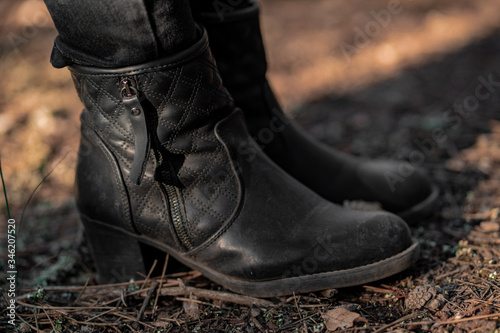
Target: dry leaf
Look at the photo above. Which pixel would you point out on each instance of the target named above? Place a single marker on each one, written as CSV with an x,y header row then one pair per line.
x,y
339,318
329,293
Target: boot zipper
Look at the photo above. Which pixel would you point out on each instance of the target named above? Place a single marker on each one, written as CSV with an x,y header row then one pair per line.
x,y
137,116
175,211
165,176
130,96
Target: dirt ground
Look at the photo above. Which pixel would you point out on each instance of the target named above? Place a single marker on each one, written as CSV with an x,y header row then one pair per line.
x,y
397,91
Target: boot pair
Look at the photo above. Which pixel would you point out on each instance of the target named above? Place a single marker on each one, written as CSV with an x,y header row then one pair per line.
x,y
167,162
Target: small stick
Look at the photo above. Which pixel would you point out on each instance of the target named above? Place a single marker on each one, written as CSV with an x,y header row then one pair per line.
x,y
394,323
83,290
161,282
379,290
215,295
65,307
31,326
123,299
118,314
98,287
185,299
297,306
131,328
149,274
439,277
36,323
100,314
290,325
468,319
151,290
90,323
51,322
114,300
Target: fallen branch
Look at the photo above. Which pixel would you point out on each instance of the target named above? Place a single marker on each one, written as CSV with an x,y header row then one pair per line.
x,y
214,295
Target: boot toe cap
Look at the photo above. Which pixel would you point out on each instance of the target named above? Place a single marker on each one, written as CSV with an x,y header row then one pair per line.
x,y
364,238
398,186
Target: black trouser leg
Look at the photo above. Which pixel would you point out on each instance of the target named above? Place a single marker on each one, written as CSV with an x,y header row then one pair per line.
x,y
218,6
117,33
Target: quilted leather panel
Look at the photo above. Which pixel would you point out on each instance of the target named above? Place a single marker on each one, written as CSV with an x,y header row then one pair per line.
x,y
183,103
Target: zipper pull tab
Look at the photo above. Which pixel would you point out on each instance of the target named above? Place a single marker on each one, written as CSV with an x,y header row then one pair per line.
x,y
137,116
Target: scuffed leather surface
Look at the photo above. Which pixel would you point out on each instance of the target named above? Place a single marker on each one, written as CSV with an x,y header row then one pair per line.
x,y
99,181
284,229
183,102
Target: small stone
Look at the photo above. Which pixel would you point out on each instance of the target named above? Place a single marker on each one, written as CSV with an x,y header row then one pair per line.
x,y
254,312
434,304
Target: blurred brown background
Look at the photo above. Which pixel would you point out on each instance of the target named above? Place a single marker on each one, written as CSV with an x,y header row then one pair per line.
x,y
39,110
353,77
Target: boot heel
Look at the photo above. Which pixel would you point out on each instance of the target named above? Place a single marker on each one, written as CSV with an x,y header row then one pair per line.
x,y
118,257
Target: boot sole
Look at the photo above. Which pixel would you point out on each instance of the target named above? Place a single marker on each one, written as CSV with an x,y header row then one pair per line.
x,y
422,209
118,255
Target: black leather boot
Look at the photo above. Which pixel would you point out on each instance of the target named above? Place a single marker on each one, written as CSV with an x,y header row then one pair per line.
x,y
162,164
237,46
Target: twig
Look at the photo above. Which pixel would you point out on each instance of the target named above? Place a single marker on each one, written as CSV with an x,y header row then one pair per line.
x,y
394,323
298,310
314,305
215,295
36,323
151,290
65,307
100,314
490,283
257,324
379,290
146,324
83,290
51,322
297,305
118,314
468,319
175,320
31,326
142,292
185,299
296,322
131,328
439,277
90,323
78,288
149,273
103,287
161,281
